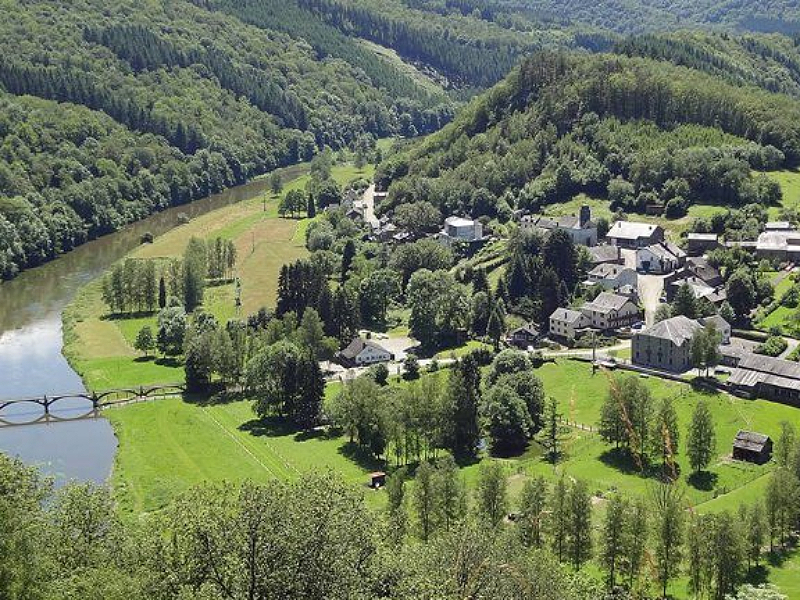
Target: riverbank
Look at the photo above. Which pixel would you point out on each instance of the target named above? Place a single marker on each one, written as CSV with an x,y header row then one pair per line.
x,y
100,348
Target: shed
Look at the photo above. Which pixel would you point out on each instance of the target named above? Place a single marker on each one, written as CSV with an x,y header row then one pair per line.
x,y
752,447
377,480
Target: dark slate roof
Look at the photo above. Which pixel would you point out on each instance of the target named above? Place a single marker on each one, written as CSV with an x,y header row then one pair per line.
x,y
771,366
528,329
678,329
566,315
750,440
357,346
606,302
604,254
565,222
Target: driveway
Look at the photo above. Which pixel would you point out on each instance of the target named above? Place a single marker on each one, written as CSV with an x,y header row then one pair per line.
x,y
650,289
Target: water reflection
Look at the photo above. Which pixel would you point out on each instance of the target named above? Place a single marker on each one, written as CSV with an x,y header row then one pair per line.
x,y
31,363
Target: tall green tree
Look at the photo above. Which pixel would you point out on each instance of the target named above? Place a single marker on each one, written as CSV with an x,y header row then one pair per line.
x,y
492,493
701,439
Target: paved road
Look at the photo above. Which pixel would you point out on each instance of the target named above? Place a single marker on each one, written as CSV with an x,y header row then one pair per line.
x,y
368,202
650,288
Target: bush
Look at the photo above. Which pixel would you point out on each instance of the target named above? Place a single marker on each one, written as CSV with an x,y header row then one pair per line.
x,y
774,346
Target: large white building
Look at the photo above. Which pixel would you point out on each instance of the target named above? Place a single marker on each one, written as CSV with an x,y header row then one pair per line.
x,y
661,258
459,229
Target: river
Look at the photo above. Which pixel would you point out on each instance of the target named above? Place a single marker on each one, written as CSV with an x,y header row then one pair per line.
x,y
31,359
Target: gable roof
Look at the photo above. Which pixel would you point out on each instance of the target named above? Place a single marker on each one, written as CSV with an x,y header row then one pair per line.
x,y
358,345
720,323
750,440
563,222
459,222
632,230
607,302
566,315
665,250
530,329
604,254
772,366
677,330
608,271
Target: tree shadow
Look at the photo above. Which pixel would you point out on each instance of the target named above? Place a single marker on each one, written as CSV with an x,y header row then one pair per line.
x,y
168,361
757,575
144,359
622,460
268,427
704,480
128,316
361,456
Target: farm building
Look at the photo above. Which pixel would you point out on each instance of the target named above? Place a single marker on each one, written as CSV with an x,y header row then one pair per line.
x,y
362,352
752,447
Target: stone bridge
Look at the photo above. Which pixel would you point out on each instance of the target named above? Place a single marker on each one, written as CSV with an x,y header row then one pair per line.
x,y
92,401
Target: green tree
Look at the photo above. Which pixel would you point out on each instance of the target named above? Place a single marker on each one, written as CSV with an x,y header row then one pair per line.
x,y
145,341
552,439
612,539
492,493
506,420
701,439
741,292
668,518
396,507
464,398
665,438
194,274
275,183
171,330
532,522
579,530
425,500
450,493
684,302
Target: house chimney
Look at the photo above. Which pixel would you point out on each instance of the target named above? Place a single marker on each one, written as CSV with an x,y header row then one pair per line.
x,y
586,214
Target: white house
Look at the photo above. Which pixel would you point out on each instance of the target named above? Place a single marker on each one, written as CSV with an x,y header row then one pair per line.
x,y
631,234
580,228
610,311
612,276
565,323
459,229
362,352
660,258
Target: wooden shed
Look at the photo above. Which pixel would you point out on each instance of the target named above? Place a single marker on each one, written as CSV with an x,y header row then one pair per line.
x,y
752,447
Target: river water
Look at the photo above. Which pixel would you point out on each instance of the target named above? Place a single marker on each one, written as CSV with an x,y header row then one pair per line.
x,y
31,362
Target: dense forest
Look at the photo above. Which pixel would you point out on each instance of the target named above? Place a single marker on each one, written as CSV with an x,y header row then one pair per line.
x,y
111,112
138,110
635,130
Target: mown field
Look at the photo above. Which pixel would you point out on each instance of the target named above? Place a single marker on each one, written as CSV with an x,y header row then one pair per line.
x,y
100,347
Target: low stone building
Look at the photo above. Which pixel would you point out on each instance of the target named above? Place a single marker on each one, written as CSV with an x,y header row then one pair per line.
x,y
581,229
660,258
752,447
524,337
630,234
612,277
698,244
666,345
758,376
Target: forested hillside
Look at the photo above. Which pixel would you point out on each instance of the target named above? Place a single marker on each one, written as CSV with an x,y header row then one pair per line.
x,y
635,130
660,15
145,105
771,62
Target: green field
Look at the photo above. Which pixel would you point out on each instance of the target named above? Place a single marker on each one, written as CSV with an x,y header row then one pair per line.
x,y
100,348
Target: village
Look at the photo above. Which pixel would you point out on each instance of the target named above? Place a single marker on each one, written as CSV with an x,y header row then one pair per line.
x,y
634,268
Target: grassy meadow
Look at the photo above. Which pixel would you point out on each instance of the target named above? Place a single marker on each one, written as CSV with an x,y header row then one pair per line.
x,y
100,347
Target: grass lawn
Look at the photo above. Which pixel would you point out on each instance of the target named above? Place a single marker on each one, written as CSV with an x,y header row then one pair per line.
x,y
101,348
167,446
581,395
789,180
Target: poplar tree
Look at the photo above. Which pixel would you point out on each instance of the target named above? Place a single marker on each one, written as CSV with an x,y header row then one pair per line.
x,y
612,539
701,440
492,493
668,532
579,530
425,500
559,518
533,513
